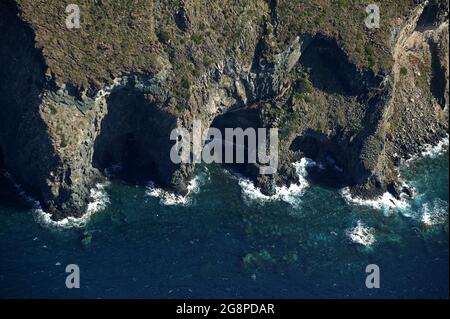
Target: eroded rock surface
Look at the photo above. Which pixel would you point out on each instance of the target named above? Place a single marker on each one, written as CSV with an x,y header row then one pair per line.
x,y
74,103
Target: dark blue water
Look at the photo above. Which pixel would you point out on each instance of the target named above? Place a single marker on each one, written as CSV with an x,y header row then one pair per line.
x,y
221,245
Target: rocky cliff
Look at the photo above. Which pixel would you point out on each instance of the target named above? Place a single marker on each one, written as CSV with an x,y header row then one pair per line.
x,y
75,102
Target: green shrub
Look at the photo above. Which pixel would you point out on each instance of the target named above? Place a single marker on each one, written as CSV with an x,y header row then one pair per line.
x,y
185,83
53,109
403,71
370,55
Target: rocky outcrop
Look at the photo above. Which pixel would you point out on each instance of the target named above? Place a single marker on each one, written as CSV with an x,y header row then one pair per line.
x,y
417,113
26,146
60,138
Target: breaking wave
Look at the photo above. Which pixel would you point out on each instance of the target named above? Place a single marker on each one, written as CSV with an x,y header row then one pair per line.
x,y
386,202
289,194
99,200
435,150
170,198
361,234
432,151
434,213
429,214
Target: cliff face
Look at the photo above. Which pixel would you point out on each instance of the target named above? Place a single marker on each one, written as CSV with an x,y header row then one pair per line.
x,y
76,102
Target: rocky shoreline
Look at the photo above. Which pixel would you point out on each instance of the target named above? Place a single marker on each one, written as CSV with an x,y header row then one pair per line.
x,y
57,139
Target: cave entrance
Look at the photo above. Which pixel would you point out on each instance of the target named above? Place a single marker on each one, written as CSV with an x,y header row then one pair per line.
x,y
134,141
308,144
330,169
243,118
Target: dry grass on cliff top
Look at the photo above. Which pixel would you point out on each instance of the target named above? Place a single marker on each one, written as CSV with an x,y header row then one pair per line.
x,y
114,36
124,36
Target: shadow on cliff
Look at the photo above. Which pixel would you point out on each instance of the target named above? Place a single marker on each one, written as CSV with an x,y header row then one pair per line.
x,y
27,152
134,141
331,71
437,85
429,16
8,193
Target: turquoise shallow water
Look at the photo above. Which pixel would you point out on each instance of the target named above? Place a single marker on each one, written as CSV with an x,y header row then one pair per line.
x,y
225,244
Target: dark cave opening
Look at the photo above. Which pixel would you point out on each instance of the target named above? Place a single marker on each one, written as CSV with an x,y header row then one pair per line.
x,y
331,71
243,118
307,144
330,169
134,141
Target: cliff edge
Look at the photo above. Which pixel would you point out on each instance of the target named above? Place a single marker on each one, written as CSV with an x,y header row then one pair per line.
x,y
76,102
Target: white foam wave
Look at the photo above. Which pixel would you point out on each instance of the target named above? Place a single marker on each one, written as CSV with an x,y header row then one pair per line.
x,y
432,151
435,150
434,213
99,200
386,202
289,194
361,234
169,198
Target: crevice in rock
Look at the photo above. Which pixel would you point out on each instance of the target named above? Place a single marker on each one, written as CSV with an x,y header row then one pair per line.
x,y
437,75
274,16
182,19
135,136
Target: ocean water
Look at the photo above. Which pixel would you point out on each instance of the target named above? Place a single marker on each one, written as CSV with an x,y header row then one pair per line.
x,y
227,240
